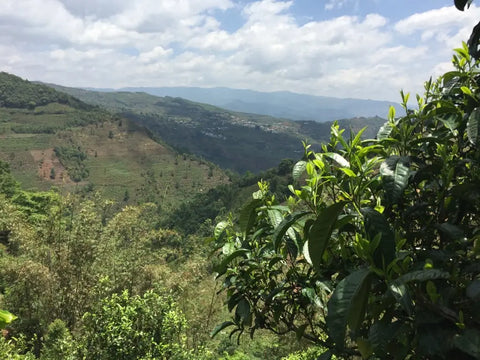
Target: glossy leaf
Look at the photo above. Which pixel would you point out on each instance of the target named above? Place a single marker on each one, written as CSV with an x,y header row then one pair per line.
x,y
298,169
473,126
339,159
346,306
321,231
286,223
222,267
243,313
220,327
395,172
385,131
421,276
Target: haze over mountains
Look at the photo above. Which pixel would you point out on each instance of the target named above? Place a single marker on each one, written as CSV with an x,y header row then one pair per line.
x,y
282,104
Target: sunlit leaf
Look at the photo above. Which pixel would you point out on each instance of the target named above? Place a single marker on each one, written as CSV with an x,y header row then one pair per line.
x,y
385,131
395,172
339,159
473,126
286,223
6,318
299,169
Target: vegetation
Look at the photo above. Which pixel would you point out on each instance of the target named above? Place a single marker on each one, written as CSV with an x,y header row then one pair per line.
x,y
237,141
72,158
376,254
365,248
22,94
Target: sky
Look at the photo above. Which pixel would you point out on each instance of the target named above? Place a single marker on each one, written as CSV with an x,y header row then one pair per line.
x,y
368,49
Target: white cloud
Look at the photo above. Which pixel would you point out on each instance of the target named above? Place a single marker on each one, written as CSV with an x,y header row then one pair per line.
x,y
117,43
338,4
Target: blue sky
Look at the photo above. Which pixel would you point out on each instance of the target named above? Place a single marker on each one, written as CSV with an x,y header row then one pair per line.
x,y
343,48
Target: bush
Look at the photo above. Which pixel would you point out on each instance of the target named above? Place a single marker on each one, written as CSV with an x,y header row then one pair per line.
x,y
377,253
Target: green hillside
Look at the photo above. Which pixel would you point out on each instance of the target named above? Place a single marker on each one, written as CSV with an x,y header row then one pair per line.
x,y
233,140
53,139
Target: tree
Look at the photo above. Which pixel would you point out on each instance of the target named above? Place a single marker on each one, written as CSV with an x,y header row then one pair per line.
x,y
135,327
376,253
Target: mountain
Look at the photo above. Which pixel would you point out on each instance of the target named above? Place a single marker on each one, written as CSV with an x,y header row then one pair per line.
x,y
282,104
50,138
233,140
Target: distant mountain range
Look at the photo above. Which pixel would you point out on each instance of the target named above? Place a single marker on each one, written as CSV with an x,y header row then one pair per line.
x,y
282,104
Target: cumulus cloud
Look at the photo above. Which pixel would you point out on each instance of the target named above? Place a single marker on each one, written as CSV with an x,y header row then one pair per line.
x,y
117,43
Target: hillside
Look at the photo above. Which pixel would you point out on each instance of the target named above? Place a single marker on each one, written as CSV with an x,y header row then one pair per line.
x,y
53,139
238,141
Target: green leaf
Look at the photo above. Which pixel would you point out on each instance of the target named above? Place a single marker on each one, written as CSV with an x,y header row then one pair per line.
x,y
421,276
449,121
6,318
395,172
347,304
299,169
286,223
222,267
469,342
401,294
358,137
243,311
348,172
473,126
220,327
385,131
391,113
275,217
339,159
466,90
321,231
248,215
376,223
220,228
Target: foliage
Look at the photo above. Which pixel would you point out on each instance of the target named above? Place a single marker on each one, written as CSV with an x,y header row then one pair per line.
x,y
377,251
8,185
18,93
14,350
234,140
72,157
135,327
58,343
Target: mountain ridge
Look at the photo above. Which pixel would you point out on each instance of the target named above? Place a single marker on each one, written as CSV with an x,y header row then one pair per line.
x,y
282,104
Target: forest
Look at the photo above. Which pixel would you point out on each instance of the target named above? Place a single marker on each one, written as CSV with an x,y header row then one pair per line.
x,y
364,247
